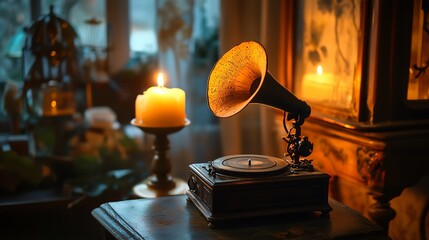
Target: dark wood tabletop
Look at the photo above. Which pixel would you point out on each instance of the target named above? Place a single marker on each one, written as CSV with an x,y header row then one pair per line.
x,y
177,218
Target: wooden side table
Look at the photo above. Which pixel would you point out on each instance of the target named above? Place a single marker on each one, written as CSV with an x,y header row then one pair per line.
x,y
177,218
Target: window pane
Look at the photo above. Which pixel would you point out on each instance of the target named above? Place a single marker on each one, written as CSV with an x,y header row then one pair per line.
x,y
142,26
14,16
327,52
418,84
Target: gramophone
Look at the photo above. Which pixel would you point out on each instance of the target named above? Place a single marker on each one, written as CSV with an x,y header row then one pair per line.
x,y
250,185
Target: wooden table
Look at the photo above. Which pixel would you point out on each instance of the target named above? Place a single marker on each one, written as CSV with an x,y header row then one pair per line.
x,y
177,218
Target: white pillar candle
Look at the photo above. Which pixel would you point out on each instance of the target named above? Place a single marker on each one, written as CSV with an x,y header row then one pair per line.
x,y
160,106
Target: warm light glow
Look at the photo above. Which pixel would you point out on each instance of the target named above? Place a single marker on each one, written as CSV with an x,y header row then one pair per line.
x,y
319,70
54,104
319,85
160,80
161,106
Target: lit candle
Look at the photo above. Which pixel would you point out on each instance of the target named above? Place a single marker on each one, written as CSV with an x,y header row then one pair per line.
x,y
54,107
56,101
55,104
160,106
318,86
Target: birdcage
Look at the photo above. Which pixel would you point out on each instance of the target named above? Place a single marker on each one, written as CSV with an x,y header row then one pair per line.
x,y
50,67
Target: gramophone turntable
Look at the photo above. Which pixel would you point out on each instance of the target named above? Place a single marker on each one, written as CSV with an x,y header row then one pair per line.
x,y
251,185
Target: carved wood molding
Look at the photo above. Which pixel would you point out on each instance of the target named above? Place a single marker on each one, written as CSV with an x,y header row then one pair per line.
x,y
371,167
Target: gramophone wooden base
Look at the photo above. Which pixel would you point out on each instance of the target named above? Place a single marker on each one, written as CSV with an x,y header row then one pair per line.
x,y
147,189
222,198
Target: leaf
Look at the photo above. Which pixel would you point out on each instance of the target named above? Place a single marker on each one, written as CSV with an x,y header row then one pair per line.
x,y
324,51
21,168
314,57
87,165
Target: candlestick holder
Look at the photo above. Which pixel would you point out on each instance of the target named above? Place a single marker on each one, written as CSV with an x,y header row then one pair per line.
x,y
160,182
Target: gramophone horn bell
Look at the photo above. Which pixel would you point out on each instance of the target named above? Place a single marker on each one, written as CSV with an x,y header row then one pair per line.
x,y
241,77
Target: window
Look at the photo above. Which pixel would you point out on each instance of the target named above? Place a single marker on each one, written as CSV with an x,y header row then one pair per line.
x,y
143,39
193,24
327,50
418,85
14,15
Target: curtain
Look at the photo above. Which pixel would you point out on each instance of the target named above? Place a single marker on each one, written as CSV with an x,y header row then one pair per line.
x,y
255,130
186,46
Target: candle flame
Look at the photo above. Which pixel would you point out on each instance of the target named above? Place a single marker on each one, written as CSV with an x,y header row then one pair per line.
x,y
54,104
319,70
160,80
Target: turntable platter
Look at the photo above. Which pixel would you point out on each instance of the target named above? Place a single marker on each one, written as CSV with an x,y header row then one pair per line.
x,y
250,165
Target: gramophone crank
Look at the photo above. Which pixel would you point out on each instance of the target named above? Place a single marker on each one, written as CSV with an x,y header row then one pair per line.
x,y
297,146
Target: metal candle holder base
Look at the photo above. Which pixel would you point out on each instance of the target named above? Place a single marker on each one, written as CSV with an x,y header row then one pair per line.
x,y
160,183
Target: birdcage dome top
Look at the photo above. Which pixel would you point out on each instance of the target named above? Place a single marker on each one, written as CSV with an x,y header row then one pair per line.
x,y
53,37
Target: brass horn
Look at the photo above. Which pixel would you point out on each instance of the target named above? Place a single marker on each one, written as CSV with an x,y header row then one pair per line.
x,y
241,77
